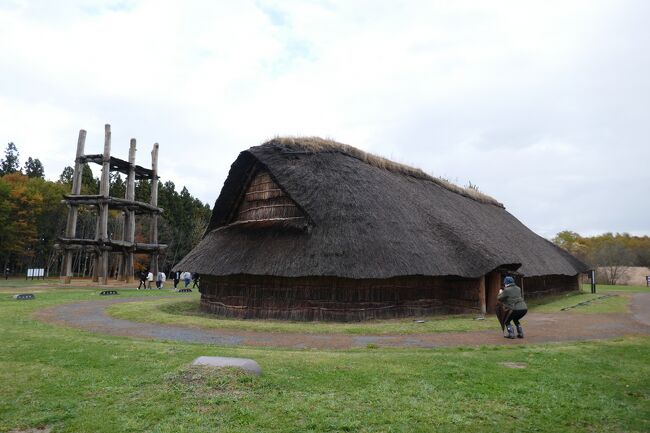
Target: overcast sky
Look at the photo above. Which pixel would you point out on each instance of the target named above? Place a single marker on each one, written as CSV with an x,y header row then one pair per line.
x,y
545,105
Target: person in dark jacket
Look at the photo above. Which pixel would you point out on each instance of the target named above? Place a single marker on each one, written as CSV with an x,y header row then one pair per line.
x,y
143,279
513,307
176,276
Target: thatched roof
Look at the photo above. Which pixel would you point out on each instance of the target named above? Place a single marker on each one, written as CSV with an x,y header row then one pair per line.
x,y
365,217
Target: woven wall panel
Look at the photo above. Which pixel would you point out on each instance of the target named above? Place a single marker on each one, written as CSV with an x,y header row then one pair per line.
x,y
336,299
264,200
535,287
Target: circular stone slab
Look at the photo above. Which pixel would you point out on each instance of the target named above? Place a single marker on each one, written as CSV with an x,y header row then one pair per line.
x,y
245,364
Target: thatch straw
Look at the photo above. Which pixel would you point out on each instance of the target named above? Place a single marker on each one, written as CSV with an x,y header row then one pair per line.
x,y
319,145
358,216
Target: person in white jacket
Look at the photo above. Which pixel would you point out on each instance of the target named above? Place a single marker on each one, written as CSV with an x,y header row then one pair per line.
x,y
187,277
149,279
160,280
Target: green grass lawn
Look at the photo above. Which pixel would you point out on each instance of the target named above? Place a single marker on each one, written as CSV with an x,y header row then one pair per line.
x,y
185,312
596,303
604,288
74,381
21,282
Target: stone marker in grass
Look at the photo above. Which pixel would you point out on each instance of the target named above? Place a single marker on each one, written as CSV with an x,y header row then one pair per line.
x,y
24,296
108,292
248,365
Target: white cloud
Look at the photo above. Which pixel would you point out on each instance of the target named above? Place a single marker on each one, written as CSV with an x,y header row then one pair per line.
x,y
553,93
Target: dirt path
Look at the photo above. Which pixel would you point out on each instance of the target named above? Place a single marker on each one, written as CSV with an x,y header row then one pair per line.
x,y
565,326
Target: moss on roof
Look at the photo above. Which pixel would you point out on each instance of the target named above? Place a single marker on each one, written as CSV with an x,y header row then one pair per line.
x,y
318,145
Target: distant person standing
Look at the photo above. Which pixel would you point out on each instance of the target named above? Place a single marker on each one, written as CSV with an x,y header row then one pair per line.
x,y
7,274
149,279
511,307
196,279
187,277
176,276
143,280
160,280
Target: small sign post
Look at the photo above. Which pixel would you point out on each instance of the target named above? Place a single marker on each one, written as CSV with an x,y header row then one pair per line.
x,y
35,272
593,281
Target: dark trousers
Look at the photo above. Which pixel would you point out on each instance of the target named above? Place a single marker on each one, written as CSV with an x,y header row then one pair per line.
x,y
142,283
515,316
176,280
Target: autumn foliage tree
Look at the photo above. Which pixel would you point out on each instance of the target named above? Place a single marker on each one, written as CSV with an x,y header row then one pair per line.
x,y
32,216
19,232
610,253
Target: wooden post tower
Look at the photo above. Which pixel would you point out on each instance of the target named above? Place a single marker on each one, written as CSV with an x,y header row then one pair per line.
x,y
103,244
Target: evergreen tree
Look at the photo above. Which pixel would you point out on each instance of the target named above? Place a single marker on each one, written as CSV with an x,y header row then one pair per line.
x,y
89,183
66,175
10,163
34,168
117,185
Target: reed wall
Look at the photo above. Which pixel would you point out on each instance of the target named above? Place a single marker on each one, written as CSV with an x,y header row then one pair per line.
x,y
336,299
536,287
264,200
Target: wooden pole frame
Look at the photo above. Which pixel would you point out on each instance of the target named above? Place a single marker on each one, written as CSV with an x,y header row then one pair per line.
x,y
103,243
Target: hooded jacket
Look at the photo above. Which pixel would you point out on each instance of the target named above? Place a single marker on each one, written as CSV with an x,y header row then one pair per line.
x,y
512,297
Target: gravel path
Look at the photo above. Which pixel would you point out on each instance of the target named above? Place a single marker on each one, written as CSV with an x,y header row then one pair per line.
x,y
640,308
539,327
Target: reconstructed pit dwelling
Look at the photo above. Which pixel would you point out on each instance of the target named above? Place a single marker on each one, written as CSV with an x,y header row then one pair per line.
x,y
311,229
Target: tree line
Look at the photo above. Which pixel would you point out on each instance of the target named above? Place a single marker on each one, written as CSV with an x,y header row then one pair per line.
x,y
610,253
33,216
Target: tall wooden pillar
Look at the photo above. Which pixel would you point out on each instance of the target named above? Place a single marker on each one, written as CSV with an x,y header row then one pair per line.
x,y
481,294
129,214
493,285
153,237
71,227
104,189
96,254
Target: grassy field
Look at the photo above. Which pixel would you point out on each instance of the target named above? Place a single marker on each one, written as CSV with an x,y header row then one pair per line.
x,y
21,283
604,288
593,303
185,312
74,381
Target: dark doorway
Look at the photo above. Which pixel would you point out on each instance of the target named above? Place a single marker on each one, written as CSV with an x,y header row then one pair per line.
x,y
492,286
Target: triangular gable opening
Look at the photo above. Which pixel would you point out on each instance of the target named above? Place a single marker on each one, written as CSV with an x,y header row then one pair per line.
x,y
265,203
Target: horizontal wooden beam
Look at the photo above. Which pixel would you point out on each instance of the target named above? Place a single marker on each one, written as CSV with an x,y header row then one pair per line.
x,y
111,245
113,203
117,164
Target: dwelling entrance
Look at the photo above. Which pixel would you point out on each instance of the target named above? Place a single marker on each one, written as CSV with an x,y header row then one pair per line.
x,y
492,286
